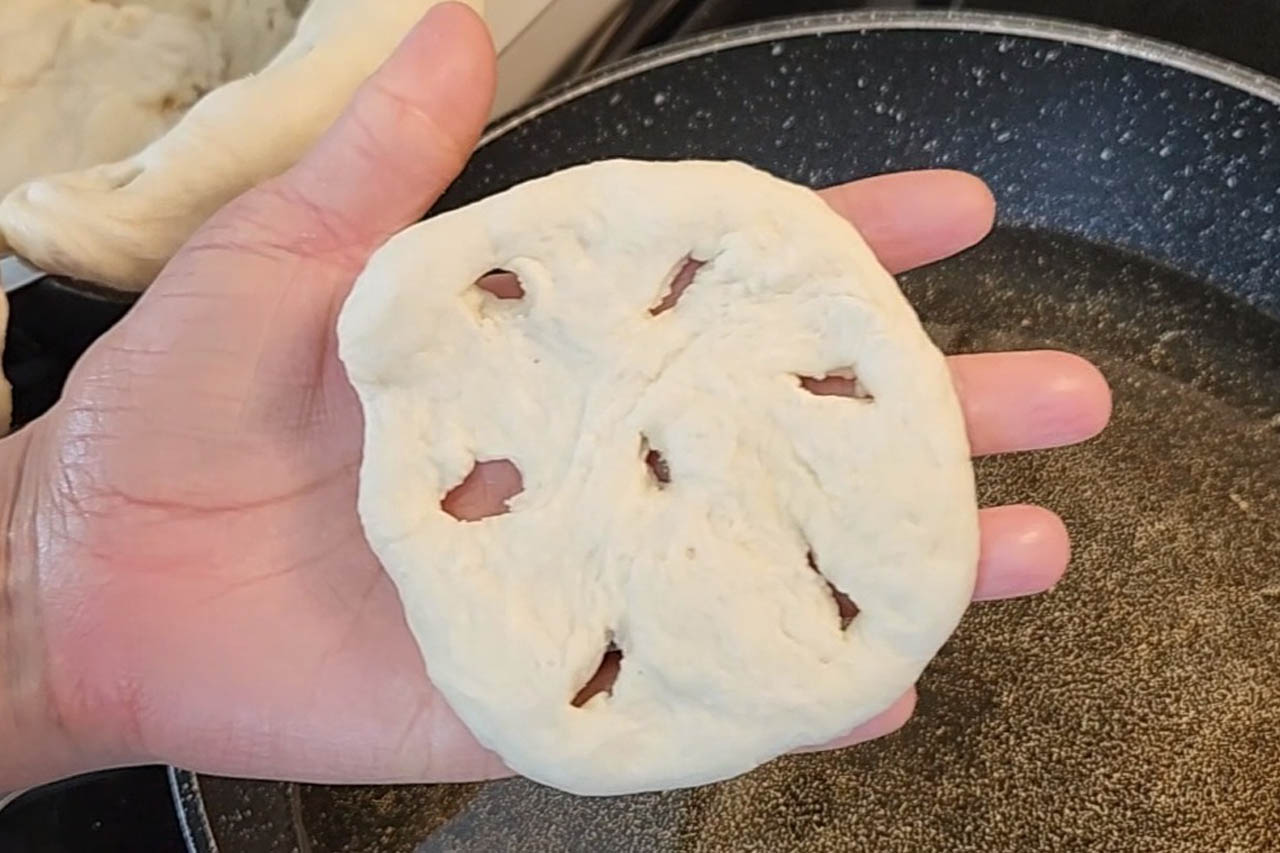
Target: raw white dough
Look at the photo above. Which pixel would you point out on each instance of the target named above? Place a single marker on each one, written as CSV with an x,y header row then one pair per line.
x,y
120,222
733,650
84,82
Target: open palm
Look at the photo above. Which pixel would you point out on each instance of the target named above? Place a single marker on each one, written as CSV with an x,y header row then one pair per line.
x,y
205,593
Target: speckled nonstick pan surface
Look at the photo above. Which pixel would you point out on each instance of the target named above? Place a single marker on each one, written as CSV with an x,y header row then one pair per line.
x,y
1137,706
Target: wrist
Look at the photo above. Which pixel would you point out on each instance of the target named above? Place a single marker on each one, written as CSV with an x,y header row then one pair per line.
x,y
34,746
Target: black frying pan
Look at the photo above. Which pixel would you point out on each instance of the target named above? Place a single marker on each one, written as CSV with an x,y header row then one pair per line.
x,y
1138,705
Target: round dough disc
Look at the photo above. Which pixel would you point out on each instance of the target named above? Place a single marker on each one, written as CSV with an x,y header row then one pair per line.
x,y
692,495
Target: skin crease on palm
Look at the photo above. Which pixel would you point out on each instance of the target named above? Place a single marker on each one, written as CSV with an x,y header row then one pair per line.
x,y
188,580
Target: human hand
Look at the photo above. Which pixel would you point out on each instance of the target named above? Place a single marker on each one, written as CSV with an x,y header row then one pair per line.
x,y
187,572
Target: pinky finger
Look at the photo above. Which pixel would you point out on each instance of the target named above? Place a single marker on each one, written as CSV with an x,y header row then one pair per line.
x,y
886,722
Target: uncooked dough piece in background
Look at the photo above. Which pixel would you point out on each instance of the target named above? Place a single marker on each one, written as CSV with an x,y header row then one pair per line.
x,y
119,223
84,83
708,565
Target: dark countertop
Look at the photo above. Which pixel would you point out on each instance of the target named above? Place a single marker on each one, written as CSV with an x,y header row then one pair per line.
x,y
130,810
121,811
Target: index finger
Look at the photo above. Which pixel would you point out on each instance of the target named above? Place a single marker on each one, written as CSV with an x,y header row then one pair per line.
x,y
914,218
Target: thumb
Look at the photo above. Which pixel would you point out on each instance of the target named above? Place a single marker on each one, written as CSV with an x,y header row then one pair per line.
x,y
405,136
254,290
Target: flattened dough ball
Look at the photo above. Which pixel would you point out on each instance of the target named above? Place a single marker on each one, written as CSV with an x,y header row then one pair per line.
x,y
118,223
705,473
84,83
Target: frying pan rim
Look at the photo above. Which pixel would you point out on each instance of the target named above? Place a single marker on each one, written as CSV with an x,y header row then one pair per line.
x,y
192,817
988,23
